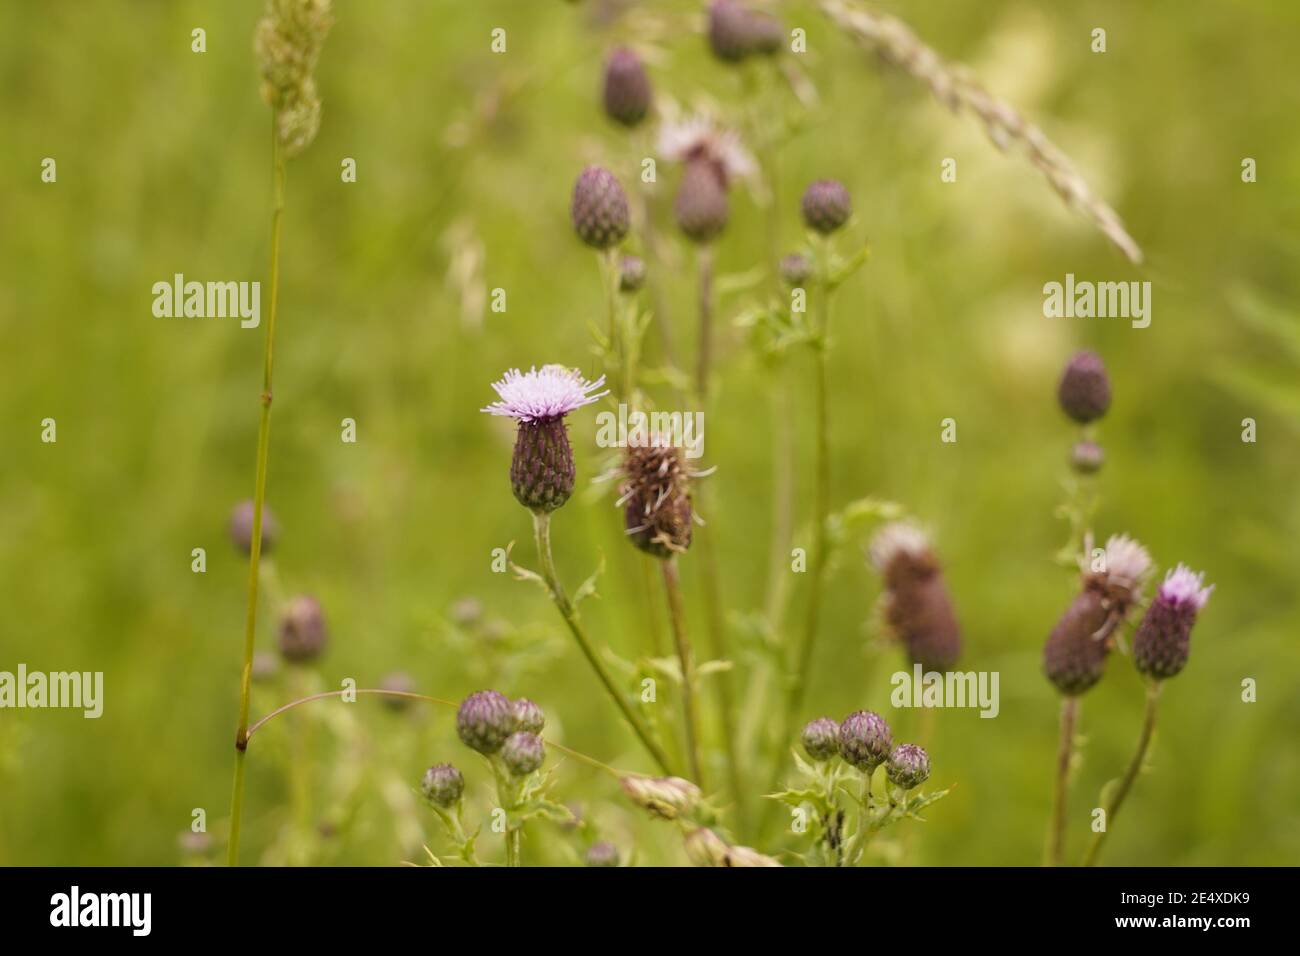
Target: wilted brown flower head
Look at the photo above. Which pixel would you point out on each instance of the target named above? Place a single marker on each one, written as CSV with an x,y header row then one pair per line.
x,y
655,495
917,607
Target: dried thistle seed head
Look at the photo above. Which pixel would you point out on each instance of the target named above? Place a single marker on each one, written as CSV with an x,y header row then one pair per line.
x,y
665,797
241,528
1087,457
701,206
655,495
631,274
523,753
821,738
603,853
698,139
302,630
442,785
599,209
826,206
484,721
528,716
918,609
796,269
908,766
1084,391
865,740
542,472
627,93
1074,657
1162,642
729,31
398,682
706,848
288,42
1128,565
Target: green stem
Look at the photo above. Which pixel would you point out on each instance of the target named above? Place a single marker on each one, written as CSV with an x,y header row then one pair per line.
x,y
259,501
704,356
1056,837
542,536
673,588
1130,775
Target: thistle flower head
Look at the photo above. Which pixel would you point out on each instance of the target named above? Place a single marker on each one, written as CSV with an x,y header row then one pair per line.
x,y
1162,642
523,752
602,853
528,716
631,273
442,785
821,738
918,609
626,93
288,42
796,269
655,496
302,630
1074,657
728,30
535,395
701,207
1087,457
1128,564
826,206
484,721
399,682
706,848
599,209
865,740
1084,390
908,766
241,528
698,139
665,797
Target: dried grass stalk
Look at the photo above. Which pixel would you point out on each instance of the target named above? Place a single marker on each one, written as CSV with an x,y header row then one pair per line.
x,y
954,87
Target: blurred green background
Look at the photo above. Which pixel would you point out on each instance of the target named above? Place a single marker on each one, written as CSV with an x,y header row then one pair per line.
x,y
465,163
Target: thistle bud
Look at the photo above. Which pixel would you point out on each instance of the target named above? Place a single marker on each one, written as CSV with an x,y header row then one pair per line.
x,y
826,206
602,854
1074,657
766,34
398,682
1084,392
821,738
627,91
523,753
796,269
442,785
729,31
865,740
241,528
908,766
528,716
706,848
302,630
656,498
701,205
467,611
918,610
1087,457
484,721
1163,640
665,797
542,473
599,210
631,274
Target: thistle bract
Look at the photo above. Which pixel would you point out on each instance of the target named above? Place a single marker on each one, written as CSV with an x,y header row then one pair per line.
x,y
442,785
484,721
826,206
599,210
821,738
1084,390
908,766
865,740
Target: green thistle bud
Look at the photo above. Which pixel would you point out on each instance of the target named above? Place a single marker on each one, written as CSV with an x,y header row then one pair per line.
x,y
442,785
821,738
865,740
528,716
908,766
484,721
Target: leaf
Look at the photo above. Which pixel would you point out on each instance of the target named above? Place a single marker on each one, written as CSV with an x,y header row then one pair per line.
x,y
588,587
841,269
713,667
522,573
739,281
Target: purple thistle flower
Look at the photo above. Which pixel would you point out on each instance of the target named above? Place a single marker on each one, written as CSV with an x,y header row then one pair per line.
x,y
626,92
484,721
821,738
1084,390
908,766
542,472
1162,642
1074,657
865,740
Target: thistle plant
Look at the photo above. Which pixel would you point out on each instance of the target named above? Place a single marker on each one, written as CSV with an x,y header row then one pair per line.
x,y
835,804
542,476
288,41
1161,647
918,609
601,219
